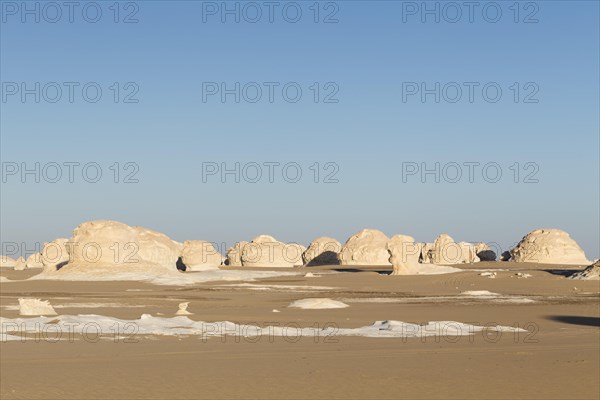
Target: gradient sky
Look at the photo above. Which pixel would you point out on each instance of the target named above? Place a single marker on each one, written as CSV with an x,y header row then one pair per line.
x,y
369,133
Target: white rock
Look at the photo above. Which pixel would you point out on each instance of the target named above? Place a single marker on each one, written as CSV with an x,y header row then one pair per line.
x,y
549,246
522,275
446,251
55,254
200,255
7,262
426,253
35,307
404,254
183,309
590,273
367,247
110,246
317,304
20,264
322,251
234,254
265,251
34,261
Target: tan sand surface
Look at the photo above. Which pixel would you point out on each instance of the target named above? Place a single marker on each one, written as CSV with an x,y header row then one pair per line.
x,y
558,358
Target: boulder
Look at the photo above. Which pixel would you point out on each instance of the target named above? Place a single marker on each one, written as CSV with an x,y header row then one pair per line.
x,y
549,246
35,307
265,251
367,247
505,256
590,273
322,251
234,254
404,254
109,246
200,255
484,252
7,262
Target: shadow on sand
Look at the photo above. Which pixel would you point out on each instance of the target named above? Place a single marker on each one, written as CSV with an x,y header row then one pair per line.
x,y
569,319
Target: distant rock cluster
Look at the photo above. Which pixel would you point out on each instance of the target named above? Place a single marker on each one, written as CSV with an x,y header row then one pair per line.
x,y
105,246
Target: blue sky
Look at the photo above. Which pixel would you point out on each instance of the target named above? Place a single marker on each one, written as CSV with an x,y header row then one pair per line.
x,y
367,61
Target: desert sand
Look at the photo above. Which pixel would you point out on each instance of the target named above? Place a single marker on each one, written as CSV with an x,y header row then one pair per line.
x,y
554,353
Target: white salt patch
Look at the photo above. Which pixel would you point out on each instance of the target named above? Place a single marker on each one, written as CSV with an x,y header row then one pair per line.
x,y
480,295
435,269
491,275
35,307
4,279
515,300
477,293
276,310
317,304
171,279
181,325
310,275
286,288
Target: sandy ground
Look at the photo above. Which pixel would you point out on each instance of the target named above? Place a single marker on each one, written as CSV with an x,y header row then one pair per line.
x,y
559,356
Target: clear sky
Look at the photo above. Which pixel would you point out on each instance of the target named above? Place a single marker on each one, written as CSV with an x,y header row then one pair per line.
x,y
396,92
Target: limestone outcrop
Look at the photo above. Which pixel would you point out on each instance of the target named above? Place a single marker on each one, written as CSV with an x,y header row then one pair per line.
x,y
447,251
405,254
322,251
590,273
200,255
114,246
234,254
549,246
266,251
367,247
55,254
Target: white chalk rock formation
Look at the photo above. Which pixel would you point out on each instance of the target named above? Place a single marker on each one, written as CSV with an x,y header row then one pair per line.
x,y
20,264
447,251
367,247
200,255
426,253
404,254
322,251
590,273
35,307
549,246
265,251
110,246
34,261
183,309
234,254
7,262
55,254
